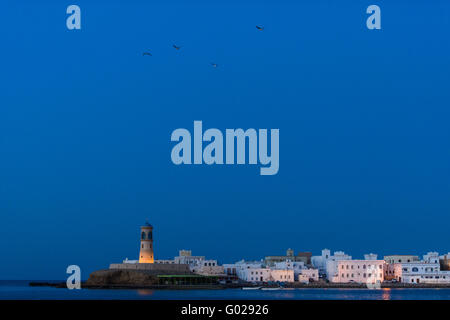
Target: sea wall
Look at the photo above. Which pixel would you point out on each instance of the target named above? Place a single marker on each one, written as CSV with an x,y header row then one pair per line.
x,y
120,277
153,268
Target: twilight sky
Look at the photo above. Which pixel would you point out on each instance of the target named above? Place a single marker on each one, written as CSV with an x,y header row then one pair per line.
x,y
85,125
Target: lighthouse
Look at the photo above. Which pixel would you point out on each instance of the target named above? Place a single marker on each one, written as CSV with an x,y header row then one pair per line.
x,y
146,252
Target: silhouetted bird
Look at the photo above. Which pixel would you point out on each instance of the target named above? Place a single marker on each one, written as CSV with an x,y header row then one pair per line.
x,y
260,28
214,65
176,47
147,54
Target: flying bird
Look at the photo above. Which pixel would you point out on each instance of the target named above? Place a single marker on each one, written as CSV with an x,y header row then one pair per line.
x,y
147,54
214,65
176,47
260,28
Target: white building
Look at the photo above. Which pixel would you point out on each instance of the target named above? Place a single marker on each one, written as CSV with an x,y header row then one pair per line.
x,y
256,271
282,275
327,263
331,265
359,271
301,272
320,262
197,264
308,275
431,257
426,271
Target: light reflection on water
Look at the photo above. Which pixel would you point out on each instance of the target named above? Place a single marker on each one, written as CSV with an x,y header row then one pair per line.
x,y
145,292
386,294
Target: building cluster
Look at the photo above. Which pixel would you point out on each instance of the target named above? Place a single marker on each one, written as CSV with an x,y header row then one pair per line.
x,y
338,267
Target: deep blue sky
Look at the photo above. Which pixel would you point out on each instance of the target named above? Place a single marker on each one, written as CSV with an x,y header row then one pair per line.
x,y
85,124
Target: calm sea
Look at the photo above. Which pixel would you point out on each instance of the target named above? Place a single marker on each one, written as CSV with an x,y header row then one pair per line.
x,y
21,290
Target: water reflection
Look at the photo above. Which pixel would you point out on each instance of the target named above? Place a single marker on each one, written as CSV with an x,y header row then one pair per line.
x,y
386,294
145,292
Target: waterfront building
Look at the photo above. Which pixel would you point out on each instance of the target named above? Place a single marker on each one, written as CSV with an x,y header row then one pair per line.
x,y
431,257
399,258
265,274
326,262
421,272
301,272
331,264
197,264
359,271
304,257
308,275
391,268
282,275
146,251
235,268
426,271
259,272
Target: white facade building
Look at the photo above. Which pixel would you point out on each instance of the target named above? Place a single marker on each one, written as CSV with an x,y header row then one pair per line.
x,y
256,271
421,272
197,264
320,262
359,271
431,257
331,267
326,263
308,275
426,271
301,272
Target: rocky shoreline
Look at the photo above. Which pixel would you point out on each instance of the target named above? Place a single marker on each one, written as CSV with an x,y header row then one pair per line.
x,y
134,279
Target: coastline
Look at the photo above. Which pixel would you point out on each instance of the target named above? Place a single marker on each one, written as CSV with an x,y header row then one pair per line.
x,y
323,285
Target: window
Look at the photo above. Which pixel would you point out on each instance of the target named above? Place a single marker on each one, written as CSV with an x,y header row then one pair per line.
x,y
143,236
415,269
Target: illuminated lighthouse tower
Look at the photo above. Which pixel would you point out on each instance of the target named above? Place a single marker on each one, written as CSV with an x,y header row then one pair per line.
x,y
146,254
